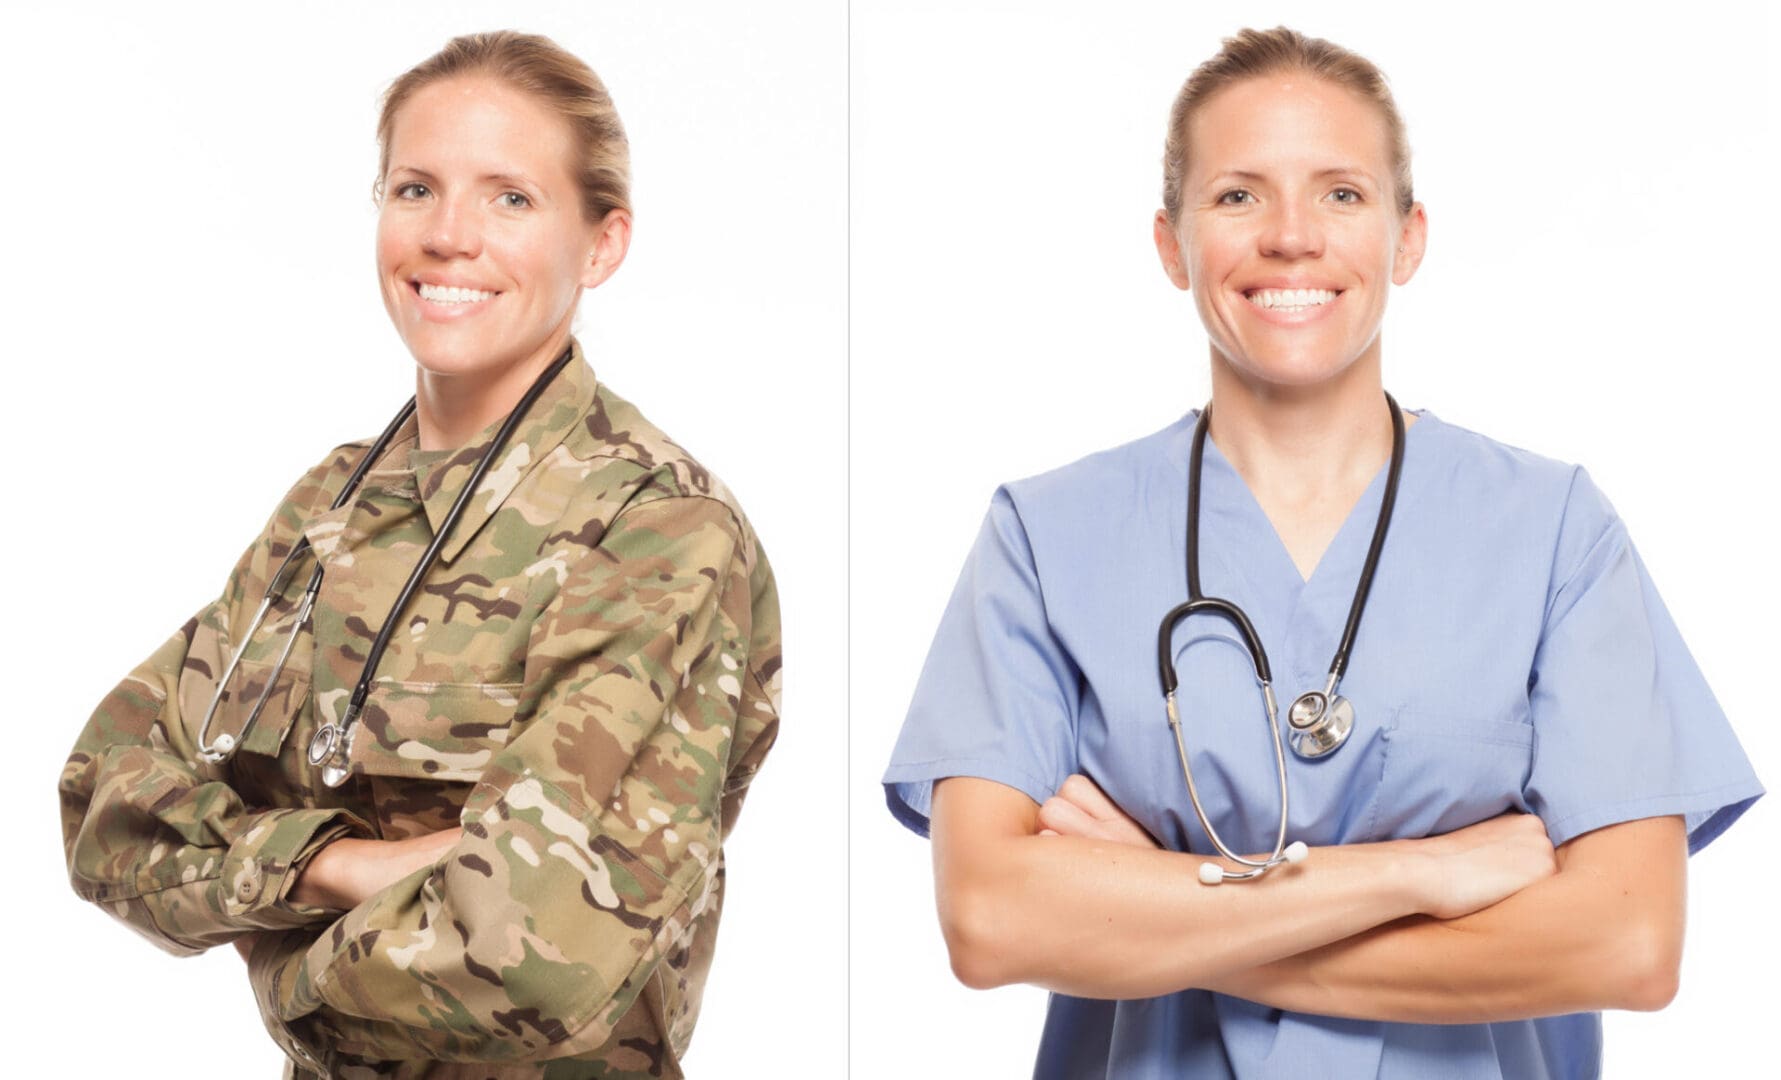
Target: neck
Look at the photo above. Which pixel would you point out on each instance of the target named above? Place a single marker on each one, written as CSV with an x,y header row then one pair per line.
x,y
1301,443
451,408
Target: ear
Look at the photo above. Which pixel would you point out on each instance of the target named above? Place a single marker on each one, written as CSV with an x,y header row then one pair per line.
x,y
610,242
1412,242
1168,249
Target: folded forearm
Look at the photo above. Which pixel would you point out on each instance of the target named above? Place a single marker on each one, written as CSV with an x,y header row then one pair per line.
x,y
1104,920
1603,933
179,857
1510,962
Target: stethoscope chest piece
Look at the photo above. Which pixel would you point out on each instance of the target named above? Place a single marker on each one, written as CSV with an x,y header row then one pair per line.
x,y
1321,722
327,748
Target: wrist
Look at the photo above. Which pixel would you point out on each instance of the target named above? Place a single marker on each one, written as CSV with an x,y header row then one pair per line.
x,y
321,882
1417,874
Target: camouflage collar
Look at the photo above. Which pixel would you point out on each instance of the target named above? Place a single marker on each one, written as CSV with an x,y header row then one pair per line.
x,y
562,405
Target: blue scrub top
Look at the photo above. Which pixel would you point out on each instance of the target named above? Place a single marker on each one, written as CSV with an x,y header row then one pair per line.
x,y
1514,654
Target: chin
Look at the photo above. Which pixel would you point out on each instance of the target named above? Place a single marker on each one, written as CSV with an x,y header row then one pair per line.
x,y
444,362
1290,371
453,357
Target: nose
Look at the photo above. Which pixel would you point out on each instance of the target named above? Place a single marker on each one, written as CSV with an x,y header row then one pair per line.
x,y
1291,230
452,231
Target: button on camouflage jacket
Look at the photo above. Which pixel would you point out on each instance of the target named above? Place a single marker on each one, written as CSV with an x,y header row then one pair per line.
x,y
586,681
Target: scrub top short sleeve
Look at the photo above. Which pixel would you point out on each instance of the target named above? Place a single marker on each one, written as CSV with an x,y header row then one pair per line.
x,y
1625,725
998,696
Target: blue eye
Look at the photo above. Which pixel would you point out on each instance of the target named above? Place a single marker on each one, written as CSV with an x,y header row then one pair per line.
x,y
507,198
1236,197
1347,196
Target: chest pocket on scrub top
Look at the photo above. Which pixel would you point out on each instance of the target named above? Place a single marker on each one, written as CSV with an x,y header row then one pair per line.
x,y
1224,725
1447,770
424,745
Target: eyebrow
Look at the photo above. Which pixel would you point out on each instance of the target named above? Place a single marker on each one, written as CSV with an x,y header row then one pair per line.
x,y
1336,170
519,179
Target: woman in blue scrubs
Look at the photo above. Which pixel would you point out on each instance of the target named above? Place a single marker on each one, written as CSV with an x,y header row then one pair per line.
x,y
1497,852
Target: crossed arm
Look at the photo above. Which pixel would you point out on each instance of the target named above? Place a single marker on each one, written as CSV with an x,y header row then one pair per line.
x,y
345,873
1488,923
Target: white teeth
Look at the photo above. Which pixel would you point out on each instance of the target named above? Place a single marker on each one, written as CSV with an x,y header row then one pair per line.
x,y
452,294
1290,298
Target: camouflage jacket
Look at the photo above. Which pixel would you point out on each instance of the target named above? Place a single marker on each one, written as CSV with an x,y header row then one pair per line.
x,y
586,681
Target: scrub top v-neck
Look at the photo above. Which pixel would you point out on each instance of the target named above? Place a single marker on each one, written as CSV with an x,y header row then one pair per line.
x,y
1514,655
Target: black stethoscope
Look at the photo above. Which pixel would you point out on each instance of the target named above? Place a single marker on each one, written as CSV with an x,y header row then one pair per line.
x,y
331,744
1321,720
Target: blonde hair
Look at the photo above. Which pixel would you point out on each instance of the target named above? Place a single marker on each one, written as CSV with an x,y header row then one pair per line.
x,y
1254,53
538,66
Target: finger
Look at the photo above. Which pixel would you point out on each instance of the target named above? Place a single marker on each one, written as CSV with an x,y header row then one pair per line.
x,y
1087,794
1128,831
1067,818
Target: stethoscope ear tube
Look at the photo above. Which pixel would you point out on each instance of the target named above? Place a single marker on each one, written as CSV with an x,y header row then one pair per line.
x,y
1165,638
225,745
1212,873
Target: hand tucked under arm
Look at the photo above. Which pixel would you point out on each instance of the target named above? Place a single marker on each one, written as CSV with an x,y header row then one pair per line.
x,y
1097,916
345,873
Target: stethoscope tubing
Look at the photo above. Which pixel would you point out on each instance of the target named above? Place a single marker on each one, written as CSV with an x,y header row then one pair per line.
x,y
1198,603
1339,665
224,747
330,745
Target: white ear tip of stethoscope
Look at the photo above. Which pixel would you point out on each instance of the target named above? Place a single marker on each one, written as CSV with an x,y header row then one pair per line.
x,y
1295,852
1211,873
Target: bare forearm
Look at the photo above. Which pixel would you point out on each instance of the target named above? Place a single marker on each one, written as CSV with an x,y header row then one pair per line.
x,y
344,873
1127,924
1584,939
1519,959
1100,919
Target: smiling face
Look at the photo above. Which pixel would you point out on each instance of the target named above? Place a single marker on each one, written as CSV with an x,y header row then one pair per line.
x,y
1289,235
482,251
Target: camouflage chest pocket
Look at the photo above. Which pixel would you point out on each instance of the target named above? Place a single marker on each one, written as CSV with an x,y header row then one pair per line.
x,y
424,745
266,736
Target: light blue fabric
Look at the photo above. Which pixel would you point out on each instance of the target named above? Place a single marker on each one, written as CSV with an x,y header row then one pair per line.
x,y
1514,654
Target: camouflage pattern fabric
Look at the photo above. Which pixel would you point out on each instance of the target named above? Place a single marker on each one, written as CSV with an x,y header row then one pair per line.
x,y
587,681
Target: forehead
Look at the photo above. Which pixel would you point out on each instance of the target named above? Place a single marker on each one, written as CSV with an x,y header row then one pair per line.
x,y
1287,123
483,125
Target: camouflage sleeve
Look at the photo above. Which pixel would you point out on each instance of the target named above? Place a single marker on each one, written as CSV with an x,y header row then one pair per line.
x,y
162,842
591,839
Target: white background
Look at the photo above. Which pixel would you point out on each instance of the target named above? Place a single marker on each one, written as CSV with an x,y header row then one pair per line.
x,y
193,320
1599,288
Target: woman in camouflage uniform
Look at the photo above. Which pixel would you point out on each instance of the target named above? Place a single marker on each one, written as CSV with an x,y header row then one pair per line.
x,y
523,867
